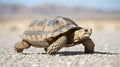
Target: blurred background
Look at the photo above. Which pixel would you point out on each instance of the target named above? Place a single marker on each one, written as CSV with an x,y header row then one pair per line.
x,y
100,15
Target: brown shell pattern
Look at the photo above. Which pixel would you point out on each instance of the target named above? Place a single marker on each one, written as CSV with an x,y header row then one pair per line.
x,y
38,30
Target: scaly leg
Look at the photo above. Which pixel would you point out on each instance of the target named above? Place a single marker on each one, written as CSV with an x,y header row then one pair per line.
x,y
20,46
89,45
57,45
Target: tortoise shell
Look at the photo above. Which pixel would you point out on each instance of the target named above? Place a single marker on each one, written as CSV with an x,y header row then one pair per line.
x,y
38,30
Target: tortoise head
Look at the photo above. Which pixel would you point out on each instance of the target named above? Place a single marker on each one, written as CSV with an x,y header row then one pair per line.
x,y
82,34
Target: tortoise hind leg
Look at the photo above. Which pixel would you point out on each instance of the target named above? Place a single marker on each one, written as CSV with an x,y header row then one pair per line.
x,y
89,45
57,45
20,46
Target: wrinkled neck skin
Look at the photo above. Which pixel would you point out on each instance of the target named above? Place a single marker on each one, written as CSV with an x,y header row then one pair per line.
x,y
76,36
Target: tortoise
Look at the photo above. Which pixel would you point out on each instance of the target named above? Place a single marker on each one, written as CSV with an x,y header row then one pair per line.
x,y
54,33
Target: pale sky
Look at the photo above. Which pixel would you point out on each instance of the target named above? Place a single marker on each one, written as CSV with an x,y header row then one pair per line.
x,y
95,4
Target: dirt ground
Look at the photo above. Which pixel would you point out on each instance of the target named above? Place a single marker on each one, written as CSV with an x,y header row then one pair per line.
x,y
107,53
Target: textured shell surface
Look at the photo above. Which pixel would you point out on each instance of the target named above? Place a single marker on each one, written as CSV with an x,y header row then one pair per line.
x,y
40,29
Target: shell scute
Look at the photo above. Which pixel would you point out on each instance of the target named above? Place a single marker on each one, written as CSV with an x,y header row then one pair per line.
x,y
39,30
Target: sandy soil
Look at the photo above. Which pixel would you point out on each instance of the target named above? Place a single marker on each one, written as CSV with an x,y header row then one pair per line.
x,y
107,53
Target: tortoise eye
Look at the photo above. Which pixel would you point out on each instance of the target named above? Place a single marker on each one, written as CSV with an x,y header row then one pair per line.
x,y
86,30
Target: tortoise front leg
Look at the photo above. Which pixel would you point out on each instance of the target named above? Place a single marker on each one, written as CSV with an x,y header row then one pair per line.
x,y
57,45
20,46
89,45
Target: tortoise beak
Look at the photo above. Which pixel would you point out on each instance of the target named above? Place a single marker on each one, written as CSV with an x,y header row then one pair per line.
x,y
89,31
